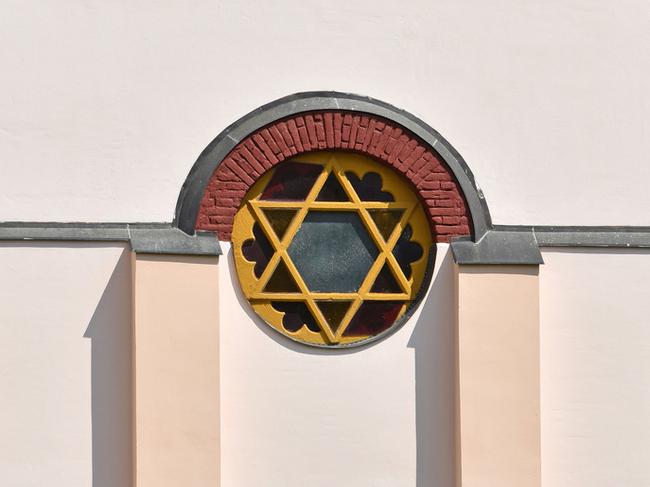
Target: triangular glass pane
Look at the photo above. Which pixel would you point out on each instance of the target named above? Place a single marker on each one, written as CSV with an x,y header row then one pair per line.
x,y
334,311
385,282
332,190
296,314
291,181
369,188
407,252
386,220
279,220
258,250
373,317
281,281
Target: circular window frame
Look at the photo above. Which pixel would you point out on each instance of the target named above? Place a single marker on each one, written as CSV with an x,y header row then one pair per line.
x,y
413,288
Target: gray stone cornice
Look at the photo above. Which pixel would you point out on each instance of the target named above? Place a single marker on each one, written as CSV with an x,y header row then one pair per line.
x,y
150,238
520,244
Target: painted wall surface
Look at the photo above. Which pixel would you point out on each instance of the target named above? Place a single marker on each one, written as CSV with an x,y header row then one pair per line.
x,y
104,106
595,368
176,370
296,416
498,375
65,366
381,415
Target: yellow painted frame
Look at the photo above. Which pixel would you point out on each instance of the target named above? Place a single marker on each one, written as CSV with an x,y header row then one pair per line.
x,y
337,163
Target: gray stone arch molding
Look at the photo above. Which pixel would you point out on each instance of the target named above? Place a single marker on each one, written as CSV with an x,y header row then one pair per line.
x,y
189,200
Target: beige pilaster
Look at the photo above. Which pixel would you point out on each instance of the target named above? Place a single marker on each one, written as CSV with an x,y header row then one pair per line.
x,y
176,371
498,375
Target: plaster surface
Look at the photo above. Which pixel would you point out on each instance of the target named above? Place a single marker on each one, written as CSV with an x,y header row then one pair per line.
x,y
595,367
380,415
105,106
65,366
176,370
498,375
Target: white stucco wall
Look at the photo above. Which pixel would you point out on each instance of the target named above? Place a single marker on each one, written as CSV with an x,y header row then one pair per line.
x,y
382,415
294,416
291,415
595,368
104,106
65,366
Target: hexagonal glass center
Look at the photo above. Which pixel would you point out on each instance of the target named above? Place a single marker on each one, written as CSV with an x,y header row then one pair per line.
x,y
333,251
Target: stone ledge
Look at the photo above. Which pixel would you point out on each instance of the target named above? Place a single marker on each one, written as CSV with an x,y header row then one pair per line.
x,y
152,238
498,247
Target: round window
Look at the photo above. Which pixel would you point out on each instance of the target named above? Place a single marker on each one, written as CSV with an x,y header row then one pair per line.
x,y
332,248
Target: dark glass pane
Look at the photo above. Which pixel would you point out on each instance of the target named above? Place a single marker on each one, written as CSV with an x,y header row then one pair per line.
x,y
291,181
369,187
373,317
281,281
386,220
332,251
332,190
295,316
385,282
334,311
279,220
258,250
406,251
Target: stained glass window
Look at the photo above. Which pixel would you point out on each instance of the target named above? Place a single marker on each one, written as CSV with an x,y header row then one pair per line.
x,y
332,248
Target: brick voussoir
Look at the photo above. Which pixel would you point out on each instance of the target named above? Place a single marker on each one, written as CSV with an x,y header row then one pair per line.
x,y
330,130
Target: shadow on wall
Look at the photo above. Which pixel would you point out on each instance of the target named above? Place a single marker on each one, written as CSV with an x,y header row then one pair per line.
x,y
109,331
434,342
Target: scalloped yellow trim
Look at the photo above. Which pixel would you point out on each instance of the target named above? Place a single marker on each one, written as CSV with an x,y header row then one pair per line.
x,y
337,163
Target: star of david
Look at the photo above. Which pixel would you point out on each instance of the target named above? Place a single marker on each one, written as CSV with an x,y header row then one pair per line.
x,y
281,268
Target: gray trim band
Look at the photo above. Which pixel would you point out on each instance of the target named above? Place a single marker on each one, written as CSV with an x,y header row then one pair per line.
x,y
520,244
613,237
64,231
498,248
505,244
189,199
149,238
585,236
173,241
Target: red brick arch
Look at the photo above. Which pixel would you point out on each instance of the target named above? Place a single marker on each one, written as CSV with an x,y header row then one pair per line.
x,y
330,130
